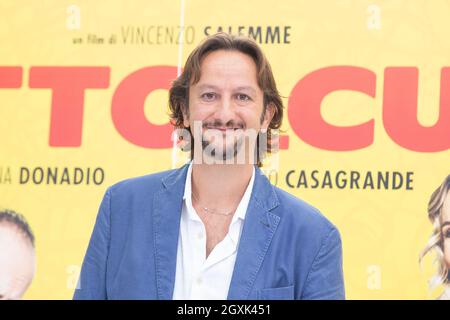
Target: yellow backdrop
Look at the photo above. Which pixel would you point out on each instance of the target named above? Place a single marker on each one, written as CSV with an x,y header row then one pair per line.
x,y
383,230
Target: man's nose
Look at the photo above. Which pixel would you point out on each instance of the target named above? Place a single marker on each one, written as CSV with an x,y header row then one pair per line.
x,y
225,110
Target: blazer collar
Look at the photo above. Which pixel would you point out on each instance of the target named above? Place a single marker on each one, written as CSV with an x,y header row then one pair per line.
x,y
259,227
262,190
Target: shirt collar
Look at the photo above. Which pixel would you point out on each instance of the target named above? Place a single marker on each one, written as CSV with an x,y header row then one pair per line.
x,y
241,210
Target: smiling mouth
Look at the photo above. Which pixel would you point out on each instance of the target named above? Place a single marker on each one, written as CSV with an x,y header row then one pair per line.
x,y
223,129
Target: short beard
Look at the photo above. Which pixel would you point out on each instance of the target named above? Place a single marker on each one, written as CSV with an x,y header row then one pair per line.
x,y
228,153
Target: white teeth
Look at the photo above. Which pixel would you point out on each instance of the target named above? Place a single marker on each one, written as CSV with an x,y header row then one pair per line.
x,y
223,128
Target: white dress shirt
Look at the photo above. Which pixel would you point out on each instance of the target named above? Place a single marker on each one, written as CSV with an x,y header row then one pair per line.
x,y
198,277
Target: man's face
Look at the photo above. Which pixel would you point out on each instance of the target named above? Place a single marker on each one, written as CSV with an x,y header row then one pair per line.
x,y
17,262
225,99
446,229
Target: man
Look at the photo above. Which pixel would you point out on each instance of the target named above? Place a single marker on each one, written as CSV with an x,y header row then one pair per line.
x,y
215,228
17,256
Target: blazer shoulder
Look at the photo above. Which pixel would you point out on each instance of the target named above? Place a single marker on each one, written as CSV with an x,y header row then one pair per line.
x,y
145,183
299,213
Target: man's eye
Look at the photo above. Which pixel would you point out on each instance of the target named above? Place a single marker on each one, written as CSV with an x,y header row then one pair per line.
x,y
447,233
243,97
208,96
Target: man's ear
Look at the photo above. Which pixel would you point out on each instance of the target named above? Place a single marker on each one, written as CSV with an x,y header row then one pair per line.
x,y
268,116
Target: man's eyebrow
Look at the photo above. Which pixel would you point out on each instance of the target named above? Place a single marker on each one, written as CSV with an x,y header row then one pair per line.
x,y
240,88
207,86
246,88
446,223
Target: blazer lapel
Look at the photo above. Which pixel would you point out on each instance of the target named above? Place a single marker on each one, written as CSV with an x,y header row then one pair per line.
x,y
259,227
167,206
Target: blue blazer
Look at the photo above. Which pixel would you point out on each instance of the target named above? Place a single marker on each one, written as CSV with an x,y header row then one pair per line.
x,y
287,250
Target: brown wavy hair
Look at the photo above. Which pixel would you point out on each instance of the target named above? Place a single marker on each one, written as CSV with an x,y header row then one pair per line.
x,y
179,92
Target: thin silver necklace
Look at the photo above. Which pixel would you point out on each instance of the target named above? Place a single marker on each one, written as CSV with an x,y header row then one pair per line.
x,y
212,211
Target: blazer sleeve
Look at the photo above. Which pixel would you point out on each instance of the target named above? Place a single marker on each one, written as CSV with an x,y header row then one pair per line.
x,y
92,281
325,280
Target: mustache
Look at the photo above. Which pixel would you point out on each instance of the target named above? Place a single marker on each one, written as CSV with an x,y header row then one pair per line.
x,y
221,125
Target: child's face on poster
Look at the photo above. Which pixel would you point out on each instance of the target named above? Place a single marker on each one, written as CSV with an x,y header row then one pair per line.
x,y
17,262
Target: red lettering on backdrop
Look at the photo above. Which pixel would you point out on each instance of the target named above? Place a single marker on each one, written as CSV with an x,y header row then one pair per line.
x,y
400,111
399,106
305,101
68,85
10,77
128,107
